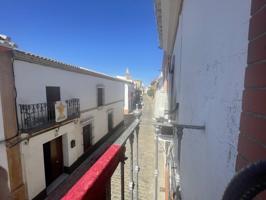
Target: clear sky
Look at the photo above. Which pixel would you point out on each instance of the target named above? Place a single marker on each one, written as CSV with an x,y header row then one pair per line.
x,y
103,35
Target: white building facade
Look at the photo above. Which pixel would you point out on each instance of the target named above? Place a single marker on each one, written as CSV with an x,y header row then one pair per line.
x,y
91,105
205,54
130,90
129,97
160,99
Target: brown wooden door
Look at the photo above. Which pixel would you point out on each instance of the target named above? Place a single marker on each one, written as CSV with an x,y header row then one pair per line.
x,y
110,121
53,160
87,135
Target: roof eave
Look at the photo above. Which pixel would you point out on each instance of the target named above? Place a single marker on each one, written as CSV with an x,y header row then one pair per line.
x,y
158,11
28,57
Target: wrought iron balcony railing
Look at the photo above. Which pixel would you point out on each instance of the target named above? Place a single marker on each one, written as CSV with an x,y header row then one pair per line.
x,y
95,183
34,117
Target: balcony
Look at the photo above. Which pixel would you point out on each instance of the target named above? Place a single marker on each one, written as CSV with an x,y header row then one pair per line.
x,y
34,117
92,179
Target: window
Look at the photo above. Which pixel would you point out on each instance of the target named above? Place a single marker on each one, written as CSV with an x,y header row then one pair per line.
x,y
173,99
110,120
87,137
100,93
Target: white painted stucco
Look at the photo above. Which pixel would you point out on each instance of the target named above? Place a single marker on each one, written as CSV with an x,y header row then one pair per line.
x,y
32,151
33,158
128,94
160,99
100,119
210,59
126,104
31,81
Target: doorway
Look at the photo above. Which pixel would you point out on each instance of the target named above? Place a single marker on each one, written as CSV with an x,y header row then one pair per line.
x,y
52,95
110,121
53,160
87,137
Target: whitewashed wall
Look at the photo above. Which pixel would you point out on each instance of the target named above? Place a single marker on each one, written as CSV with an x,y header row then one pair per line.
x,y
32,151
33,158
100,118
128,104
3,154
160,99
31,81
211,54
131,90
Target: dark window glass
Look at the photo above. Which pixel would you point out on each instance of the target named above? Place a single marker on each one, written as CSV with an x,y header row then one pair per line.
x,y
100,96
87,136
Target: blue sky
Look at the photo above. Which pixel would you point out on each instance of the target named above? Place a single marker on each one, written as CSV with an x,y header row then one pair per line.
x,y
102,35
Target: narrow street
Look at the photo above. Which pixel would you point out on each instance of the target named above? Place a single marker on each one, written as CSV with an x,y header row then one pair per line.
x,y
146,160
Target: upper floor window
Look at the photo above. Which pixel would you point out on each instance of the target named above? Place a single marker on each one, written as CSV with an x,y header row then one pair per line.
x,y
100,96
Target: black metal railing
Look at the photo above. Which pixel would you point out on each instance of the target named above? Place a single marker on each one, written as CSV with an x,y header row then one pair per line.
x,y
42,115
73,108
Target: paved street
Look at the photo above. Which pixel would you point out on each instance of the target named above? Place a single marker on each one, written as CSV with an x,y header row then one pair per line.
x,y
146,160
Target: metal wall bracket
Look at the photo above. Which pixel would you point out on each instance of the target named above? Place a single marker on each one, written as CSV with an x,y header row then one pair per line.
x,y
176,126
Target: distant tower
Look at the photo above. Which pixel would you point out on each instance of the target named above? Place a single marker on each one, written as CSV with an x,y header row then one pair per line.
x,y
128,77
